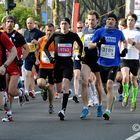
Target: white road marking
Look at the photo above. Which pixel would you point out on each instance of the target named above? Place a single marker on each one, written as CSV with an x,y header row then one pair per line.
x,y
134,137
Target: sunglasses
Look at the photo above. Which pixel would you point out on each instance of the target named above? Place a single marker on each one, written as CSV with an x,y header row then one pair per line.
x,y
79,27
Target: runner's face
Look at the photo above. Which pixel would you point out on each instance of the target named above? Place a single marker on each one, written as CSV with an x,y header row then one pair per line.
x,y
64,26
130,22
9,25
79,27
30,24
110,22
92,21
49,30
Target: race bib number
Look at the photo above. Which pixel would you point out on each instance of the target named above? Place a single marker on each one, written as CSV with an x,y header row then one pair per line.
x,y
107,51
65,50
87,39
44,57
32,47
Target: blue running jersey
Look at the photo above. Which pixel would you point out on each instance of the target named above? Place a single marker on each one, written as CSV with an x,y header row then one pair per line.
x,y
109,53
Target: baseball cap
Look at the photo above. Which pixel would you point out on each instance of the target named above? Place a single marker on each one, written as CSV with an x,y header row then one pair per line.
x,y
66,19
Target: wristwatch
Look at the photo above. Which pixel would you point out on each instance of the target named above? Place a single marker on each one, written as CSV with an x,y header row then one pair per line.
x,y
5,65
134,43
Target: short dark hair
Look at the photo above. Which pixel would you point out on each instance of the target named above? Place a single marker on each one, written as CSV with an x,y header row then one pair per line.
x,y
93,12
132,15
112,15
9,17
50,25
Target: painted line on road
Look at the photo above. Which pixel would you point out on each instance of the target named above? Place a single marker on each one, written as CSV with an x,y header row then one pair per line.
x,y
134,137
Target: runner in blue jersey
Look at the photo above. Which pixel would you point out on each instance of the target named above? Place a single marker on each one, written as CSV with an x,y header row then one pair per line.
x,y
107,39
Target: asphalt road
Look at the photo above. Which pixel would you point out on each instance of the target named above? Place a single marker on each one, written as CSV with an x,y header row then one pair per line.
x,y
33,122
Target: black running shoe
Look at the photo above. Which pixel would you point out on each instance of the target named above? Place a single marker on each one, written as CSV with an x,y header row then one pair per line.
x,y
61,114
75,99
51,109
44,94
106,115
26,97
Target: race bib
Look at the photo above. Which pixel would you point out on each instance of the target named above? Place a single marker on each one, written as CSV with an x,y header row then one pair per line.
x,y
44,57
107,51
65,50
87,39
32,47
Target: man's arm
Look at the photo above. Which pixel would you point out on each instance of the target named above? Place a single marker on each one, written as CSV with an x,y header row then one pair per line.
x,y
133,43
25,50
11,57
49,41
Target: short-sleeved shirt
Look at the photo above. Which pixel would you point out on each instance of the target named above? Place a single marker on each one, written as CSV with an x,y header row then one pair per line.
x,y
109,53
133,52
18,41
4,42
29,35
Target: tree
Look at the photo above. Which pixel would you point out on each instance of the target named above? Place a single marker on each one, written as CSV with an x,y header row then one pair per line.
x,y
21,13
55,11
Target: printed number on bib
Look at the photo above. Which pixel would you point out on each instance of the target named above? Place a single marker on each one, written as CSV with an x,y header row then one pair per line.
x,y
65,50
107,51
32,47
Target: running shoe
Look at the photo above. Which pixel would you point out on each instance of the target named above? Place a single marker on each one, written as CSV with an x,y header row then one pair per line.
x,y
112,105
125,101
32,94
84,113
22,98
57,95
75,99
8,117
133,106
106,115
51,109
44,94
61,114
120,98
26,97
70,92
99,111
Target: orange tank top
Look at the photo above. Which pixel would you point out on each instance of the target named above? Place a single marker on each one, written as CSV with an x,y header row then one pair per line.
x,y
44,60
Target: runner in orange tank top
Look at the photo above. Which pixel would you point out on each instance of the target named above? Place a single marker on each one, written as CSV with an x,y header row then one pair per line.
x,y
46,78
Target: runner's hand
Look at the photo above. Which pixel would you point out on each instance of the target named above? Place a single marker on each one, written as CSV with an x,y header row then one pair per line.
x,y
124,52
101,41
52,60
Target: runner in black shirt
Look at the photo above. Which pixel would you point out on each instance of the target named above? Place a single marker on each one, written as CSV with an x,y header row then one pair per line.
x,y
63,70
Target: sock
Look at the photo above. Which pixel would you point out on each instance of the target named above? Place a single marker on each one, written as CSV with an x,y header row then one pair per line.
x,y
92,85
85,107
134,94
126,89
108,110
90,93
65,101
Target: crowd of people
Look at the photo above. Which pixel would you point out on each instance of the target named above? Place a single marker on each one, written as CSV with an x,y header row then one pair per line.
x,y
51,58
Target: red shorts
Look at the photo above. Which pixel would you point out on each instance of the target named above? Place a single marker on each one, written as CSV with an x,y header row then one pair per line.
x,y
13,69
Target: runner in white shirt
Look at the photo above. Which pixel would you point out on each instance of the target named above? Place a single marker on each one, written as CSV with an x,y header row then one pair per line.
x,y
130,62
